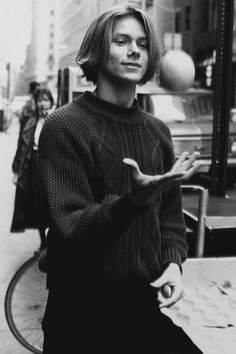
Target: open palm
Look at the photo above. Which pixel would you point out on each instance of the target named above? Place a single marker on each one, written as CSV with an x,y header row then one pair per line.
x,y
146,188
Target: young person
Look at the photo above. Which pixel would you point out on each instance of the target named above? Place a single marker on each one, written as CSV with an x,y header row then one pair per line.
x,y
28,208
111,187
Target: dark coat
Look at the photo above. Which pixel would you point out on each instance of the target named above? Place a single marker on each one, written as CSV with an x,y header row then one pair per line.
x,y
20,166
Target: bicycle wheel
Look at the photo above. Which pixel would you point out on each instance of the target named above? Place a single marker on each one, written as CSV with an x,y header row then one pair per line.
x,y
25,303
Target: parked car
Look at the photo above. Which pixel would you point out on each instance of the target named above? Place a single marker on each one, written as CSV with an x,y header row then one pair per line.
x,y
189,116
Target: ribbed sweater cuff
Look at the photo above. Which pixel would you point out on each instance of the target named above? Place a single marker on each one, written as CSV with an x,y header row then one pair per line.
x,y
171,255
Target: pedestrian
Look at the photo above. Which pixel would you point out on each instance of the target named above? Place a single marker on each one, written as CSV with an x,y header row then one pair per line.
x,y
28,210
30,106
111,188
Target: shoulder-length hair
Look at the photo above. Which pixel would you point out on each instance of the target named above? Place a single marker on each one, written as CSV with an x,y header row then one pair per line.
x,y
97,40
46,92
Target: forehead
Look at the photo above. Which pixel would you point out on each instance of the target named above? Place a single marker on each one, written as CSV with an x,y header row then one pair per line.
x,y
43,96
129,25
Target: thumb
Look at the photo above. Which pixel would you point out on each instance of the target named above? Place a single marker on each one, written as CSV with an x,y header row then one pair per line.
x,y
134,167
159,282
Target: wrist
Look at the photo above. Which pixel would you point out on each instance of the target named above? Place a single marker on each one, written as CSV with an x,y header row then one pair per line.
x,y
136,202
172,265
133,198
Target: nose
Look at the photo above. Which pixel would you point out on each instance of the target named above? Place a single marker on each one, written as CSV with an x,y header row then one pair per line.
x,y
43,103
134,50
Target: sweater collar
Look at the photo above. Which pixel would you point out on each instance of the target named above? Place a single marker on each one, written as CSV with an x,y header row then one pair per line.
x,y
111,111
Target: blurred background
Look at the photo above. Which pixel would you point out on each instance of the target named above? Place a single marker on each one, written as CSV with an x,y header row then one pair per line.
x,y
38,42
37,38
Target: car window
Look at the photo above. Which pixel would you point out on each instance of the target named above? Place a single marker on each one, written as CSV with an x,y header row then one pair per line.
x,y
168,108
198,106
179,108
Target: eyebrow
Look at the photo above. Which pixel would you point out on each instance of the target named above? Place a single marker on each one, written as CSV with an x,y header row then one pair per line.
x,y
126,35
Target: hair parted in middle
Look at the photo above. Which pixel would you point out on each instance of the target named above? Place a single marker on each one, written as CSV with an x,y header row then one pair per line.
x,y
44,91
97,40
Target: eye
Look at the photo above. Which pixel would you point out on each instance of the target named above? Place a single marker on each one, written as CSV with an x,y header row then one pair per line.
x,y
143,44
120,41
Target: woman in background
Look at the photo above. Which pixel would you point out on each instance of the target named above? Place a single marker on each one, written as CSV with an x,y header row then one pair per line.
x,y
28,210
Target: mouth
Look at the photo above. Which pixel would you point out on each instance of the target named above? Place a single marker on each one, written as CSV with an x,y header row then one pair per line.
x,y
132,65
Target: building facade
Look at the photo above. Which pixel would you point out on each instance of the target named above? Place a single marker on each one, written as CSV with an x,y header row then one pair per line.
x,y
58,27
41,63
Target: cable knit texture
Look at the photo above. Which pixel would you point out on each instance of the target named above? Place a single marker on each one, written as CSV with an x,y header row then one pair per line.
x,y
95,229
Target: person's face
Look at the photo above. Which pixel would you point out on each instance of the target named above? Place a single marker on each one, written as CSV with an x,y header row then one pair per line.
x,y
44,104
128,55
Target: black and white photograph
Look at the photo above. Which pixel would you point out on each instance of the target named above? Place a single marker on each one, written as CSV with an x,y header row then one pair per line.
x,y
118,176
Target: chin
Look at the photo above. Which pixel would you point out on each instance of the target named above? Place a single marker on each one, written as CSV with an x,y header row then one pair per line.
x,y
129,79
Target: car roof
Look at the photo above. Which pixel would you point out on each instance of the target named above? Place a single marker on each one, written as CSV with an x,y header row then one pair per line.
x,y
154,90
151,88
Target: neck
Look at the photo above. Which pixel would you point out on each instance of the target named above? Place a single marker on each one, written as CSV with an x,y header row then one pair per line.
x,y
43,114
119,93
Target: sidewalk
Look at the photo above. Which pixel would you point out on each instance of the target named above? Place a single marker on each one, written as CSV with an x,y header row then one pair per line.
x,y
15,248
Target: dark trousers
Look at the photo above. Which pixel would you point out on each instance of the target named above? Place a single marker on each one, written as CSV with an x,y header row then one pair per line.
x,y
110,317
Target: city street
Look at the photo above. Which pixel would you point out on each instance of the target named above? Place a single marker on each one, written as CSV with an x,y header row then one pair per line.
x,y
170,60
15,248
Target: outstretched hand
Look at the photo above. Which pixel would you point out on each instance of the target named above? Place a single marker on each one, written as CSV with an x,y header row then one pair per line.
x,y
146,188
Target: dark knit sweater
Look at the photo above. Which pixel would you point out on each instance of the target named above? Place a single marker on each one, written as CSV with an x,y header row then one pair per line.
x,y
94,226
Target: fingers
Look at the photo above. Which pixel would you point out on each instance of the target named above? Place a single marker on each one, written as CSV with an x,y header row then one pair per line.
x,y
134,167
191,171
182,170
158,283
167,294
175,296
182,164
163,294
166,291
180,161
191,160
